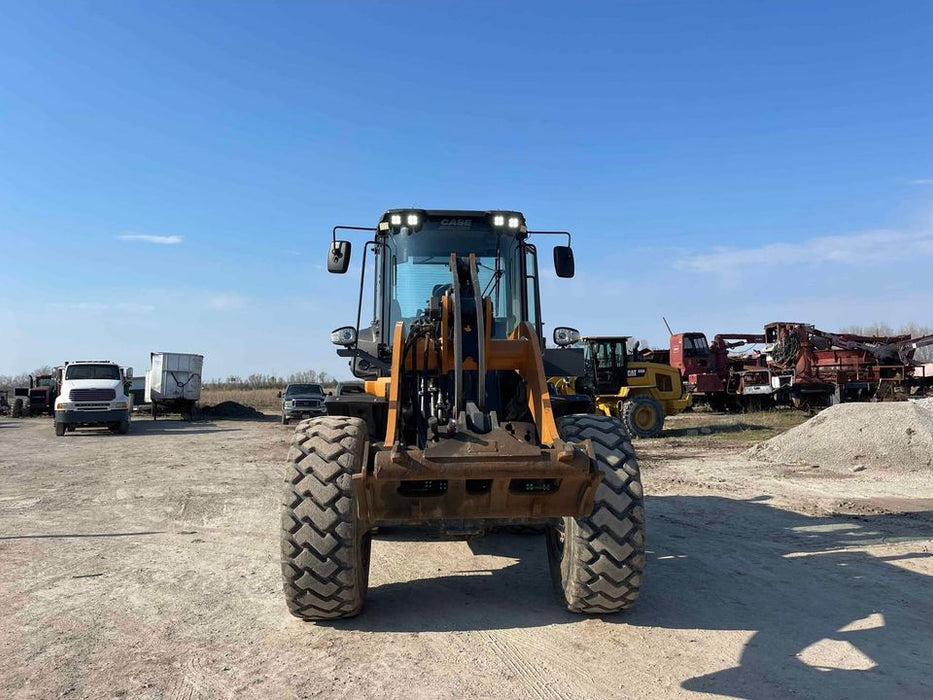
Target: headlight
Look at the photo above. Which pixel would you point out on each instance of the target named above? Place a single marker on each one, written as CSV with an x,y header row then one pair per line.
x,y
62,406
564,336
119,404
345,336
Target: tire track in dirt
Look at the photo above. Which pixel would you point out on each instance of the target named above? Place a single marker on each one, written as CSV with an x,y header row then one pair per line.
x,y
538,679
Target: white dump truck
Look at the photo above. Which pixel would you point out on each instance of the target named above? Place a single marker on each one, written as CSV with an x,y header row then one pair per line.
x,y
92,393
173,383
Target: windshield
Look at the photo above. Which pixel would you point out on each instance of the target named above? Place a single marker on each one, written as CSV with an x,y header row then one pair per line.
x,y
351,389
45,381
417,268
695,346
303,389
92,372
606,353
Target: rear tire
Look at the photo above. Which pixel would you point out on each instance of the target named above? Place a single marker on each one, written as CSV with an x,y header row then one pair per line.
x,y
597,562
325,547
59,429
642,416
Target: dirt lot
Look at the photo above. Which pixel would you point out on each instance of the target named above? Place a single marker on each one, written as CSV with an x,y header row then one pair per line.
x,y
147,566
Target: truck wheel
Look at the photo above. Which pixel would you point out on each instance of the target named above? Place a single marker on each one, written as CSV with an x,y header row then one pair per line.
x,y
154,410
70,427
325,547
59,429
643,416
17,410
124,427
284,418
597,562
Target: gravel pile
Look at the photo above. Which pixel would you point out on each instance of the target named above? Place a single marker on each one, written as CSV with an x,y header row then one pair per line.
x,y
231,409
891,435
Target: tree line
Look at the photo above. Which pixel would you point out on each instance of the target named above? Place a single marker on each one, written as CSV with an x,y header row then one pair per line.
x,y
270,381
233,381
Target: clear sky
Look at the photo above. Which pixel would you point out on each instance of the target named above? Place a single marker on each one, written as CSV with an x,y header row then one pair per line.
x,y
170,172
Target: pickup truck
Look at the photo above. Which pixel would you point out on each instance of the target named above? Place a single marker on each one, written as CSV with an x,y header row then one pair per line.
x,y
302,401
92,393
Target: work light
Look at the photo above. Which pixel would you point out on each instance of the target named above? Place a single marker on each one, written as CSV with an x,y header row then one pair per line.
x,y
498,220
395,219
411,219
513,222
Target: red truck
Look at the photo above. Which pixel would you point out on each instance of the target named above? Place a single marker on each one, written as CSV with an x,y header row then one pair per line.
x,y
37,398
798,365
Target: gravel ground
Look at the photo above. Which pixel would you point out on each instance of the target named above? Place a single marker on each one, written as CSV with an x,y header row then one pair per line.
x,y
146,566
896,436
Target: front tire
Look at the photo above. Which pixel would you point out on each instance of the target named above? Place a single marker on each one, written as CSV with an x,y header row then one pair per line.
x,y
325,547
597,562
642,416
59,429
17,410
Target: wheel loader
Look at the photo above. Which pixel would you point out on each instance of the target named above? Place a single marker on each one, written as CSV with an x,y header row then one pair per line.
x,y
641,394
455,432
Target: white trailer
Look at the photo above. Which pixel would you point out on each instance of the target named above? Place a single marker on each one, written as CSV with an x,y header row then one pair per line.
x,y
173,382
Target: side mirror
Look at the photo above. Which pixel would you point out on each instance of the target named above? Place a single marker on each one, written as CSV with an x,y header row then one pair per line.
x,y
128,373
338,257
345,336
280,394
563,261
564,336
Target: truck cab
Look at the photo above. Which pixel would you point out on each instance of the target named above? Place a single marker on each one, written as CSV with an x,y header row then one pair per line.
x,y
92,393
302,401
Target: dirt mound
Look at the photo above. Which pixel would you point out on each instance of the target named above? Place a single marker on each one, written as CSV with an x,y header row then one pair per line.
x,y
232,409
892,435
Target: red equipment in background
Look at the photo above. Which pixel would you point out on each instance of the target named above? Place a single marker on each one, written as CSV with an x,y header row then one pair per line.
x,y
836,367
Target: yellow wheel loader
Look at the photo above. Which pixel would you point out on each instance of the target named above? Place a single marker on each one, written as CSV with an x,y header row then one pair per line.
x,y
456,430
641,394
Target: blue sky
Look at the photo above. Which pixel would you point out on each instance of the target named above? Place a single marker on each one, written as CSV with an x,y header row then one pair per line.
x,y
170,172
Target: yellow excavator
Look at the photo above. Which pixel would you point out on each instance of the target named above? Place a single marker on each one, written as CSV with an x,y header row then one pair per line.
x,y
641,394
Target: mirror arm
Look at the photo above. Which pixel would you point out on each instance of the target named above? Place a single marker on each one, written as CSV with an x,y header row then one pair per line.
x,y
349,228
362,354
553,233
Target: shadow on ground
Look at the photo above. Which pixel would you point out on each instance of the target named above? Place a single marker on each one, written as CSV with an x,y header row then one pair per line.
x,y
91,535
155,427
800,585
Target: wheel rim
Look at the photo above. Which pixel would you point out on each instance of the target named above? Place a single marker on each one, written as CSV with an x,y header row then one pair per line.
x,y
644,417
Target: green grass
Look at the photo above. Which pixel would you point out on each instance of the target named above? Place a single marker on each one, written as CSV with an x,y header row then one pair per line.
x,y
732,429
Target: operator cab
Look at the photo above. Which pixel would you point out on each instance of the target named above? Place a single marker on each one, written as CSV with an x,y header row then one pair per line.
x,y
605,361
412,252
